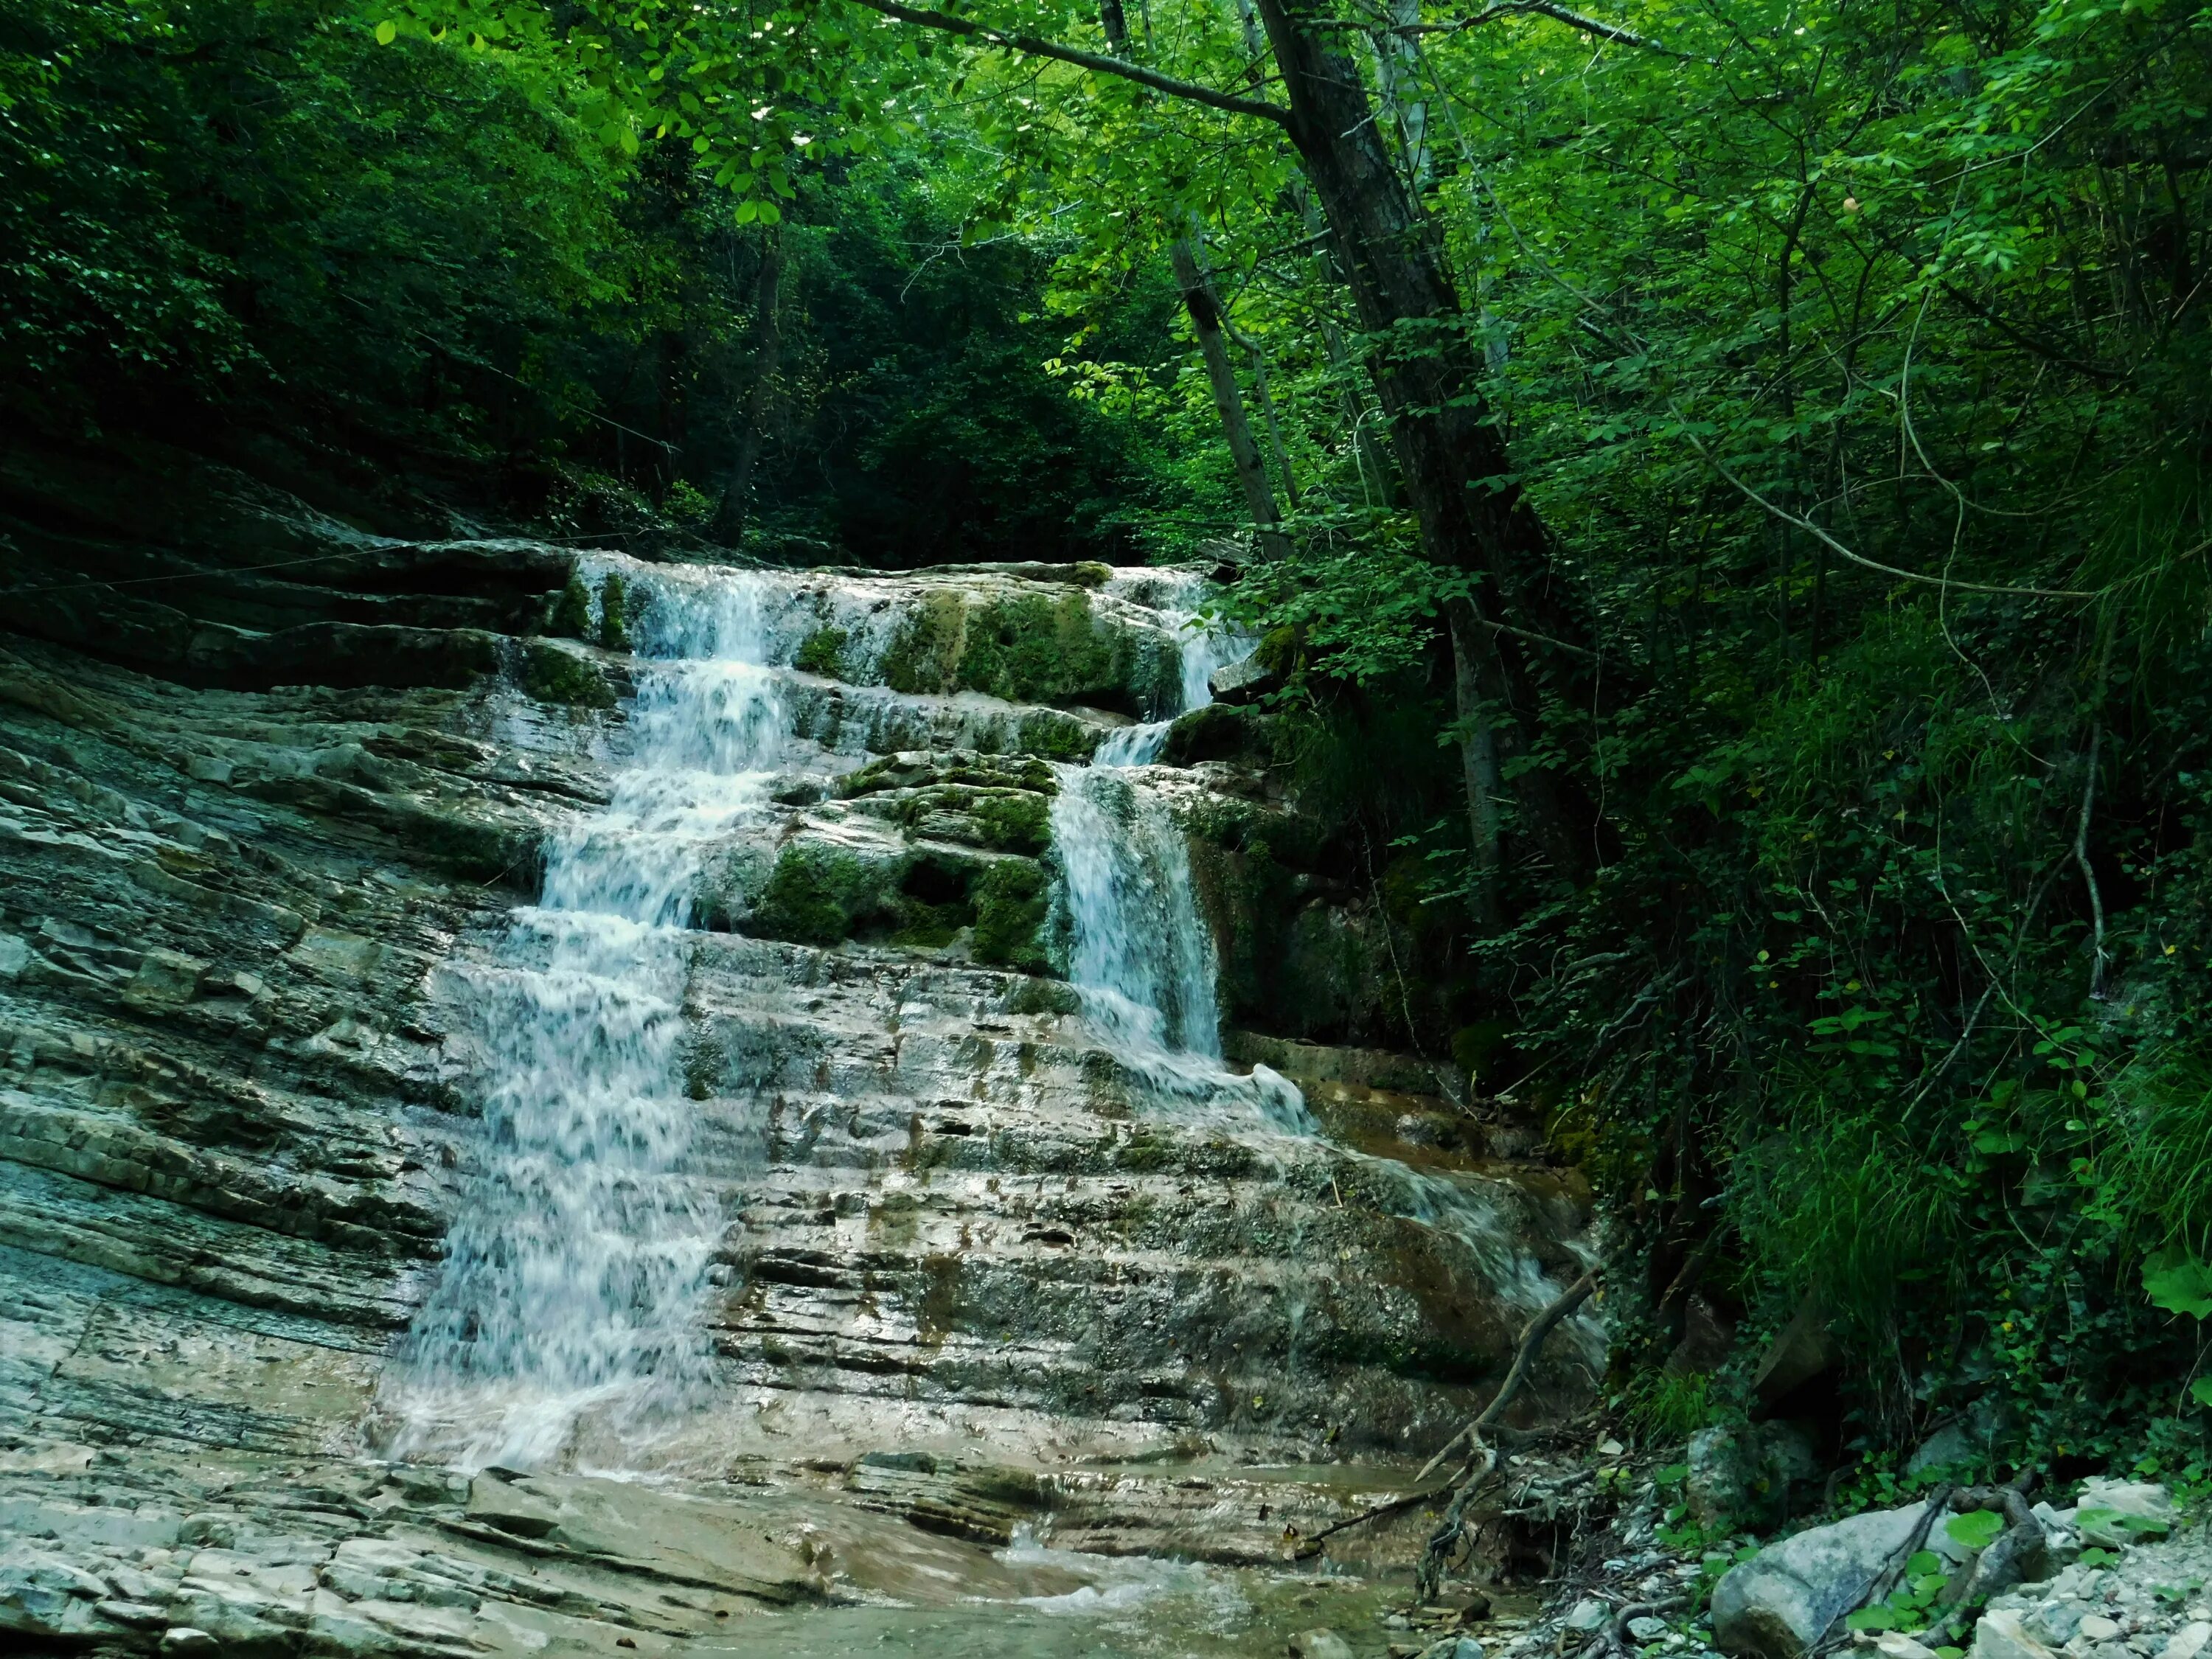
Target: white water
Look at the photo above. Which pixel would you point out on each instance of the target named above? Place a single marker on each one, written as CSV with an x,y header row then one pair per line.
x,y
576,1268
1206,645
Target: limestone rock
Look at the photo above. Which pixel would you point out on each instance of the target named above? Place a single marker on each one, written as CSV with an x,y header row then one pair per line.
x,y
497,1501
2002,1634
1776,1605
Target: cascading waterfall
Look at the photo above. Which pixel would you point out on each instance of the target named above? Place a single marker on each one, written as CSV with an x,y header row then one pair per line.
x,y
1142,959
1205,647
576,1268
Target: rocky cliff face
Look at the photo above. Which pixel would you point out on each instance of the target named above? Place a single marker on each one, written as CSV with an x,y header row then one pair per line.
x,y
430,1044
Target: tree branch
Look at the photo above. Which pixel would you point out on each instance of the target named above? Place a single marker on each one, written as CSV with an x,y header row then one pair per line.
x,y
1031,46
1558,14
1831,543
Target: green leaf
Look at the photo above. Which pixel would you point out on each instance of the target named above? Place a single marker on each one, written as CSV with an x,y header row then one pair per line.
x,y
1977,1529
386,32
2178,1282
1877,1617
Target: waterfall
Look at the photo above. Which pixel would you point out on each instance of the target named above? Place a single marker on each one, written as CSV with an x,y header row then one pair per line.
x,y
1205,647
577,1264
1138,948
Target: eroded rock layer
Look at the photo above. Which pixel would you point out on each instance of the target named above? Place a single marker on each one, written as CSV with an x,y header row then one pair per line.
x,y
245,921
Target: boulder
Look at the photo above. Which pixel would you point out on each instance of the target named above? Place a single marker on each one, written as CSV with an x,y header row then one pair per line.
x,y
1318,1644
2120,1512
1747,1474
1777,1605
1246,681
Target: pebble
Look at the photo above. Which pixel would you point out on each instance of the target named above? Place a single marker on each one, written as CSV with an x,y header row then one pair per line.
x,y
2097,1628
2187,1642
1649,1629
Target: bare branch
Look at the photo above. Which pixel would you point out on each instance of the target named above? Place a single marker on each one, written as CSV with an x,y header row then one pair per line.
x,y
1031,46
1574,20
1835,546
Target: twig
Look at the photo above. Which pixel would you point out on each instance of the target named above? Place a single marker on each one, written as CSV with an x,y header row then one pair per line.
x,y
1532,1338
1517,1375
1835,546
1031,46
1886,1580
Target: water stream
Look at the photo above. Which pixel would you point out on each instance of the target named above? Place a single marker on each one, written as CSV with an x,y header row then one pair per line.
x,y
574,1273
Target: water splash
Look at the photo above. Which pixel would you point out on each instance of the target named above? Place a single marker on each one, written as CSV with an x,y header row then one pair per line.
x,y
577,1264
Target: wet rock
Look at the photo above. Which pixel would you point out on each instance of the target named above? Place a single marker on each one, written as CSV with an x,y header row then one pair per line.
x,y
496,1501
1777,1605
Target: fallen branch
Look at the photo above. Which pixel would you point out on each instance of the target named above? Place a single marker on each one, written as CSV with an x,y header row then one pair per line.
x,y
1483,1460
1516,1376
1886,1580
1532,1338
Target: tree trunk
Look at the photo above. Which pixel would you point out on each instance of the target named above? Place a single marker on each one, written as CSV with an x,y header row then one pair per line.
x,y
1451,457
768,340
1213,346
1206,318
1479,764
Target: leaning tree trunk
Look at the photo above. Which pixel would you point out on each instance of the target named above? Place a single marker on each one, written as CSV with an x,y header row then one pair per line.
x,y
1206,321
768,340
1451,456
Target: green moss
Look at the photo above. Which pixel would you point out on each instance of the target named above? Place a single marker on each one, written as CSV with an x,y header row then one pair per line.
x,y
924,655
1018,823
1031,648
1056,737
1044,996
552,675
815,895
1010,915
614,606
822,652
572,612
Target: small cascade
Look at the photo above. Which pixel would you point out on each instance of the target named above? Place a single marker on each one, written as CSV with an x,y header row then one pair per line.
x,y
575,1275
1137,946
1177,595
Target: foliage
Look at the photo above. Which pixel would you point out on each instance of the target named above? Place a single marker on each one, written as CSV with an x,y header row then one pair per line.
x,y
1855,359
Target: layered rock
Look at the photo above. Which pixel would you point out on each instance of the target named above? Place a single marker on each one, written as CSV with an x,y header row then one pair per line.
x,y
247,898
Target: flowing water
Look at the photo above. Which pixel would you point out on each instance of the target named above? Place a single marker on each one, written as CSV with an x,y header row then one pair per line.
x,y
573,1275
576,1273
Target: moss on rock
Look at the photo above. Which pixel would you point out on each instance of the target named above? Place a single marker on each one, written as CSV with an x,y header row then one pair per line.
x,y
822,652
1011,907
551,674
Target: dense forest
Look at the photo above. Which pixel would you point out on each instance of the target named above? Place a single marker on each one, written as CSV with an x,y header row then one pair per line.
x,y
1720,486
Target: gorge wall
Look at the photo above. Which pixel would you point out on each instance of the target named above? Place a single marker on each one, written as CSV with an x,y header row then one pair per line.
x,y
782,1047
